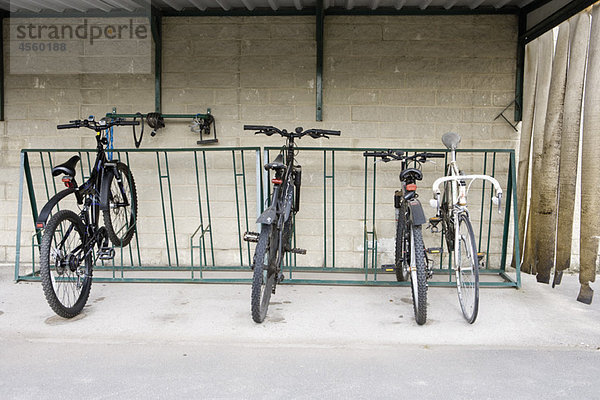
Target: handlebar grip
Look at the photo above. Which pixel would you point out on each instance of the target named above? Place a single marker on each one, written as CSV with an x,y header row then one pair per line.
x,y
435,155
68,126
329,132
258,128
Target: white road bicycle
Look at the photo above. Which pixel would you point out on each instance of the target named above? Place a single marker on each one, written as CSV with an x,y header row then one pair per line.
x,y
452,212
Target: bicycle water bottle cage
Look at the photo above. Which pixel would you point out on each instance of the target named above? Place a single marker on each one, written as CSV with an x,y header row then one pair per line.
x,y
277,164
451,140
67,168
411,174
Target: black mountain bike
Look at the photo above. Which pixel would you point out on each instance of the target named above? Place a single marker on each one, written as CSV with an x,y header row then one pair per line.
x,y
67,251
274,239
410,258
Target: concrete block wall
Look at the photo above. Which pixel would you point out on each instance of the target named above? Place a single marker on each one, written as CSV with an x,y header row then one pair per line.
x,y
398,81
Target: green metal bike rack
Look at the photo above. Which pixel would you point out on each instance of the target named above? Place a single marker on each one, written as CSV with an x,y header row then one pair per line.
x,y
190,247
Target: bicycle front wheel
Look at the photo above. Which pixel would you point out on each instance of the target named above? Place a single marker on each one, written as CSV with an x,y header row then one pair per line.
x,y
120,217
265,272
418,275
65,270
467,269
401,266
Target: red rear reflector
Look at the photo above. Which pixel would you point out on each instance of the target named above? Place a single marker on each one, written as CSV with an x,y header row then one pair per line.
x,y
39,225
411,187
67,181
277,181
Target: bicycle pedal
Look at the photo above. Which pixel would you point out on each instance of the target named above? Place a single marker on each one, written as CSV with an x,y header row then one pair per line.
x,y
388,267
480,256
434,250
280,279
251,237
106,253
297,251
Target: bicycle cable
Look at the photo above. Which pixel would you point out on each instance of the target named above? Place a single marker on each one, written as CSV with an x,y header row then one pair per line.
x,y
135,139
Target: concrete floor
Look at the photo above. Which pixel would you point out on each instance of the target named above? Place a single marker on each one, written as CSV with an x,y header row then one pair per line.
x,y
198,341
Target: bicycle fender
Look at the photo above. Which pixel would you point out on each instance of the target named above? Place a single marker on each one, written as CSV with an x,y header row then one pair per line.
x,y
107,177
268,216
40,222
417,216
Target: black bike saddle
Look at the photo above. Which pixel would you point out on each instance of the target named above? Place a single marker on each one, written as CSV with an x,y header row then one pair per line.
x,y
276,164
67,168
415,173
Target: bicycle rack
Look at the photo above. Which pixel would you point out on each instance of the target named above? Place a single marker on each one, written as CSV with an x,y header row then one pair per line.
x,y
199,214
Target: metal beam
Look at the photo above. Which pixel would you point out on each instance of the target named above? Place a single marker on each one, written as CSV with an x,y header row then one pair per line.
x,y
520,73
476,4
425,4
501,3
572,8
223,5
156,27
399,4
248,4
199,4
1,67
27,6
397,9
450,4
319,78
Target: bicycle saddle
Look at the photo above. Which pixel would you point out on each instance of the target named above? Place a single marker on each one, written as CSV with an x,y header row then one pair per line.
x,y
415,173
276,164
451,140
67,168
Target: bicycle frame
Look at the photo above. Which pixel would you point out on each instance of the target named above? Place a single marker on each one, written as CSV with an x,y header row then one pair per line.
x,y
92,195
282,204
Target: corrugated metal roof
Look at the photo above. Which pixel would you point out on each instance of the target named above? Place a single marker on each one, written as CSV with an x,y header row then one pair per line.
x,y
250,5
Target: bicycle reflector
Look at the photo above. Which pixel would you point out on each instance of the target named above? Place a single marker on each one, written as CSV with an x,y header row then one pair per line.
x,y
411,187
67,180
277,181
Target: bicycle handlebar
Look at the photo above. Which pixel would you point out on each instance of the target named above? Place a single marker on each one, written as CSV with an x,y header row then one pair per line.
x,y
391,155
497,199
97,126
297,133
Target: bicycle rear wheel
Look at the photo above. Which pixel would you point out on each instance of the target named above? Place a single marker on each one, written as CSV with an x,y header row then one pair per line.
x,y
66,277
120,217
418,275
265,272
467,269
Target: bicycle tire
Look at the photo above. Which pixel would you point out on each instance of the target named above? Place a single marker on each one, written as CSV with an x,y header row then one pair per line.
x,y
467,274
263,279
65,288
418,276
402,269
120,220
447,221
